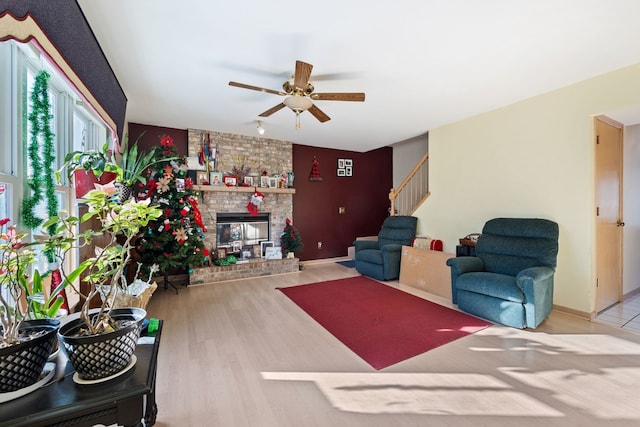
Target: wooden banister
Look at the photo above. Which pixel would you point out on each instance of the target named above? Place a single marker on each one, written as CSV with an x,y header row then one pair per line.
x,y
413,190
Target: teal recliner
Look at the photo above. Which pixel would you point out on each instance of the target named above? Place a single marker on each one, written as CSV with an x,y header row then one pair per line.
x,y
380,258
510,280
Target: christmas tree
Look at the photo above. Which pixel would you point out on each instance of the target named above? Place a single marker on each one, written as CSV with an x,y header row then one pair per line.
x,y
176,239
290,240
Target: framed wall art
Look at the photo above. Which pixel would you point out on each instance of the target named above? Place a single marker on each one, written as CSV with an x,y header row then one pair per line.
x,y
345,167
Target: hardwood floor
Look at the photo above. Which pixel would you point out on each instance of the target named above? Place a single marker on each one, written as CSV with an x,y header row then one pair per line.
x,y
242,354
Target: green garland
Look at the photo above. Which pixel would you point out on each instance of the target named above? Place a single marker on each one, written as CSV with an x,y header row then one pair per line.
x,y
40,120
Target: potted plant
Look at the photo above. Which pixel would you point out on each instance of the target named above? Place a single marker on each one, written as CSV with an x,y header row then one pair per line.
x,y
290,240
87,168
132,164
101,342
25,345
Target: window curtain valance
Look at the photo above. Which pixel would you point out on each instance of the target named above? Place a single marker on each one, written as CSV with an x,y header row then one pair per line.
x,y
62,32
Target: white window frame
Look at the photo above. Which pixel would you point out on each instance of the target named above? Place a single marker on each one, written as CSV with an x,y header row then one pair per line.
x,y
15,59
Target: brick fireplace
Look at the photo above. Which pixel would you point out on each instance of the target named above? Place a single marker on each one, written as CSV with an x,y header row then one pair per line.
x,y
259,155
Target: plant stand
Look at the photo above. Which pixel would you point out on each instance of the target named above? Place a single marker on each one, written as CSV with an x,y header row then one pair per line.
x,y
123,401
167,283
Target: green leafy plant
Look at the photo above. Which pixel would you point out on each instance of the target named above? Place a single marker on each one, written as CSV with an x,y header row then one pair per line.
x,y
132,166
132,163
96,161
121,224
22,295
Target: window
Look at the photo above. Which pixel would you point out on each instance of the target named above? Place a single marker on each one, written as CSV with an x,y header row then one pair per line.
x,y
75,127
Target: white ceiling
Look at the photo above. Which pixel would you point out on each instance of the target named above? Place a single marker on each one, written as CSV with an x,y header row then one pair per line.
x,y
421,63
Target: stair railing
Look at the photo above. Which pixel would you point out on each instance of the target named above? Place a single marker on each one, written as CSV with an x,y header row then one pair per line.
x,y
413,191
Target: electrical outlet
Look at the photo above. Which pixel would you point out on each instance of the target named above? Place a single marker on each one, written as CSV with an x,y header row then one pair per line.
x,y
341,210
319,245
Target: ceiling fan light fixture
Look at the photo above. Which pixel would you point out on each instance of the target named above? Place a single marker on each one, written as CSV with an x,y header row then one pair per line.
x,y
298,103
260,128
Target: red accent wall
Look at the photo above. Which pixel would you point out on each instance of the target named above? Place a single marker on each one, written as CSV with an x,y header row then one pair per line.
x,y
365,197
152,135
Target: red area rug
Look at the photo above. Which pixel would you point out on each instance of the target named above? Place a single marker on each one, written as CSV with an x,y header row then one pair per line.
x,y
381,324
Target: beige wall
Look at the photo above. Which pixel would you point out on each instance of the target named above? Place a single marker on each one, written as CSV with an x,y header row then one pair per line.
x,y
631,210
530,159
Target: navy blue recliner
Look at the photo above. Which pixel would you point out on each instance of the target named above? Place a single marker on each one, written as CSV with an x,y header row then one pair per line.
x,y
381,259
510,280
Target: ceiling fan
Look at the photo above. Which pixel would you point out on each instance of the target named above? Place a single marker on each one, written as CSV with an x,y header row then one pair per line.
x,y
299,92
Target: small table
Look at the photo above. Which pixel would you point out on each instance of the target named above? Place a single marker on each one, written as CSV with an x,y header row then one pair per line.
x,y
124,400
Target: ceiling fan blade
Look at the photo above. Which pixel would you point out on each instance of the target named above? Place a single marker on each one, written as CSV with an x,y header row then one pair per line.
x,y
344,96
272,110
302,75
319,114
259,89
336,76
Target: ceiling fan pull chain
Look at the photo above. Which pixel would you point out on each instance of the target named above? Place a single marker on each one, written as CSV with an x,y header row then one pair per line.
x,y
297,121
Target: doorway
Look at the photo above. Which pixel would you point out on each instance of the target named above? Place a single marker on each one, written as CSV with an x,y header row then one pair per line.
x,y
608,211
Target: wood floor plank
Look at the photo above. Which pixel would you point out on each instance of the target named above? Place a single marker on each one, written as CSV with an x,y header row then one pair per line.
x,y
240,353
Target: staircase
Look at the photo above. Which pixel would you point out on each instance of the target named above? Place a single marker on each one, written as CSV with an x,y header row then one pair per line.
x,y
413,191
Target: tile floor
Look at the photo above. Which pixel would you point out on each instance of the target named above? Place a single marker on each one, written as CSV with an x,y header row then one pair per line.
x,y
625,314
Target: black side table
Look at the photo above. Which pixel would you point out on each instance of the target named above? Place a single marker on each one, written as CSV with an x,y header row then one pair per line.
x,y
124,400
462,250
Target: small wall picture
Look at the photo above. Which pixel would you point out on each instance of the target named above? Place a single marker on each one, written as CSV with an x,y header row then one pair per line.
x,y
345,167
264,181
221,253
216,178
180,186
263,248
230,180
202,178
248,180
273,182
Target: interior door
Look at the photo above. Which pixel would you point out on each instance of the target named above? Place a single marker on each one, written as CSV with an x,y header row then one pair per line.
x,y
608,155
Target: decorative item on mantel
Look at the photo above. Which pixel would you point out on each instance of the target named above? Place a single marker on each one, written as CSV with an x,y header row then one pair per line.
x,y
241,171
208,154
255,202
315,171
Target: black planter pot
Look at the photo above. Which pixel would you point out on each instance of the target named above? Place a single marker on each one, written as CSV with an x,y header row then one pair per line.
x,y
22,364
98,356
